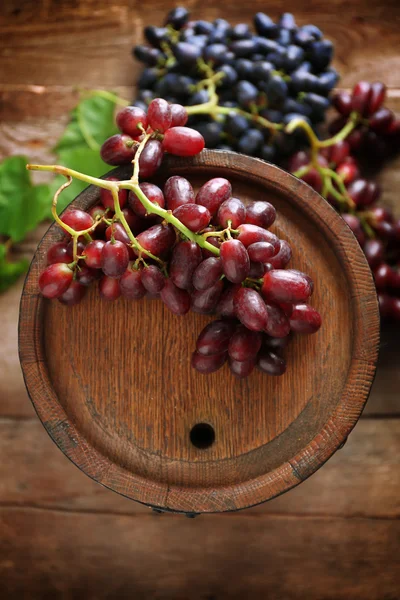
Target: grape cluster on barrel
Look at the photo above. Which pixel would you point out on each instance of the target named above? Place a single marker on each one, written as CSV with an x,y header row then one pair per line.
x,y
206,252
376,137
278,70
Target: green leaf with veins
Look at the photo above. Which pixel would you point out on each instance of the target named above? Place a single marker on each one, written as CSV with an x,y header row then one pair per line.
x,y
10,271
22,205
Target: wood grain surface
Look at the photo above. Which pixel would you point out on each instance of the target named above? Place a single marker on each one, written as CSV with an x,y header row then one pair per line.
x,y
121,401
329,554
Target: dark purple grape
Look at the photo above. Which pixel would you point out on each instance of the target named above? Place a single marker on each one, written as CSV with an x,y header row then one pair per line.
x,y
208,364
244,344
131,284
232,210
250,309
119,149
207,273
271,363
206,301
158,239
74,294
150,158
86,276
186,256
261,252
178,191
213,193
153,193
109,288
286,286
225,306
215,336
250,234
235,261
193,216
153,279
242,369
282,258
177,300
114,259
278,325
260,213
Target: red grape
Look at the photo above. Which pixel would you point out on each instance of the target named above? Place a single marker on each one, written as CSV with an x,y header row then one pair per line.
x,y
377,97
186,256
157,239
257,269
207,273
261,251
107,197
183,141
215,336
261,213
153,193
355,225
193,216
85,275
153,279
286,286
385,305
343,103
348,170
109,288
250,234
213,193
59,253
135,223
373,250
244,344
381,120
150,158
177,300
93,254
275,344
383,276
178,191
282,258
305,319
55,280
235,261
250,309
271,363
232,210
114,259
131,284
361,97
206,301
278,325
208,364
119,149
129,118
242,368
179,115
73,295
159,115
77,219
117,231
225,304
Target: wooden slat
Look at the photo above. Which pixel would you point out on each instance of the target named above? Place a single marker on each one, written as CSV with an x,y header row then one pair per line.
x,y
362,479
93,42
47,554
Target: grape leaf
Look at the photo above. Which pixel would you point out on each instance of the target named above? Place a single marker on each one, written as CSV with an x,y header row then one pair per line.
x,y
91,123
22,205
10,271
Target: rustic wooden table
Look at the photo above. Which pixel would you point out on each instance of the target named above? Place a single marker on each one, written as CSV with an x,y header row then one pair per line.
x,y
336,536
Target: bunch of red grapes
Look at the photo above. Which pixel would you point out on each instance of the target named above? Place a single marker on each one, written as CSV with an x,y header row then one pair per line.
x,y
376,137
234,266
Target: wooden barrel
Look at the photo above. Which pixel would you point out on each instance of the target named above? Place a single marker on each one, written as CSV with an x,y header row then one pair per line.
x,y
113,385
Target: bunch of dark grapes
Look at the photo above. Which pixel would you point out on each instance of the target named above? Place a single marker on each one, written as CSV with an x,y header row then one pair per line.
x,y
377,231
279,71
210,253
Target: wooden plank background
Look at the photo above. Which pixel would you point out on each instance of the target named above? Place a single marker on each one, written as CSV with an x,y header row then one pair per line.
x,y
337,535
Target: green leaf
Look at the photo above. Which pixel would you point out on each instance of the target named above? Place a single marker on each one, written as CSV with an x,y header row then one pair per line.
x,y
92,122
22,205
82,159
10,271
